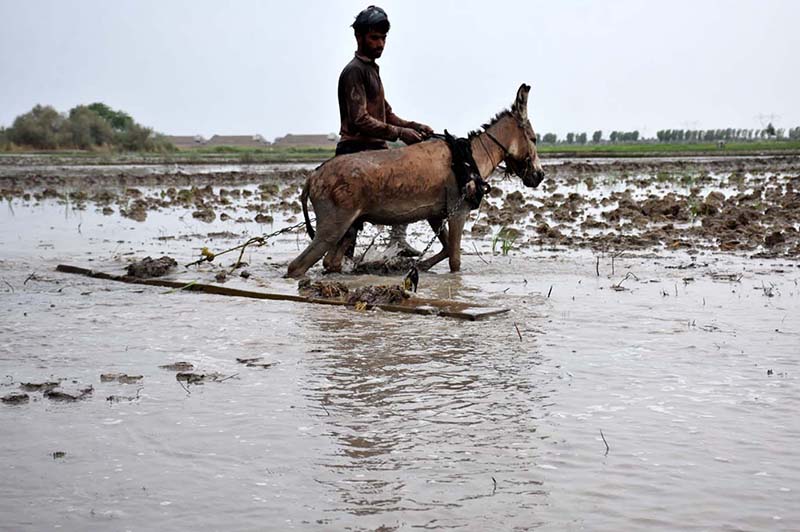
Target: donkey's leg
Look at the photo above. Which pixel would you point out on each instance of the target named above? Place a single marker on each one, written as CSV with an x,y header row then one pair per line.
x,y
328,234
436,225
333,259
456,225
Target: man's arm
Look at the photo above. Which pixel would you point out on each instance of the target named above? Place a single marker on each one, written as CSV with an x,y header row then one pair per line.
x,y
395,120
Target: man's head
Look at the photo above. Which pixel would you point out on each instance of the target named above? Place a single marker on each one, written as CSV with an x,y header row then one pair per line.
x,y
371,27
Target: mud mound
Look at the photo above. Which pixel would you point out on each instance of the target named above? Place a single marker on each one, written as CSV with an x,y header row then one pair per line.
x,y
390,266
149,267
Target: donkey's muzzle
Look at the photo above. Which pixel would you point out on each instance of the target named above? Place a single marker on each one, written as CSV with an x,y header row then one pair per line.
x,y
533,178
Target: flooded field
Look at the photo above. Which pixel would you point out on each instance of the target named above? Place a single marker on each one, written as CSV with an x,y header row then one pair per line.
x,y
647,375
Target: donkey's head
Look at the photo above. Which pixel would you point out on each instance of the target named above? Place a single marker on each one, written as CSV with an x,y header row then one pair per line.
x,y
521,157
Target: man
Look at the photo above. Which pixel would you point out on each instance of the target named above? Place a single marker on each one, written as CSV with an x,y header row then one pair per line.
x,y
367,119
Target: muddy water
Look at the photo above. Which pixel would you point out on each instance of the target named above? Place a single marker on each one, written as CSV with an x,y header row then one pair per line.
x,y
686,361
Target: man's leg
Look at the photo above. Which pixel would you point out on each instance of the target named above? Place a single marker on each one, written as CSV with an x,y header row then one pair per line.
x,y
397,238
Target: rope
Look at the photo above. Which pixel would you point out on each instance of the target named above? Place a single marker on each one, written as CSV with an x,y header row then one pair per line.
x,y
258,241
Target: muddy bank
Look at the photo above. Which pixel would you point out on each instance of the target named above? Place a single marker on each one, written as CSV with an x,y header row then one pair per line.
x,y
233,196
93,178
748,205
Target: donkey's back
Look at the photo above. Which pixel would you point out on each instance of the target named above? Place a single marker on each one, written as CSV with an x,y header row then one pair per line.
x,y
384,187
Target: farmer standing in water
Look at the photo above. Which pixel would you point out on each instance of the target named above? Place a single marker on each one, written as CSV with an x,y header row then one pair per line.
x,y
366,117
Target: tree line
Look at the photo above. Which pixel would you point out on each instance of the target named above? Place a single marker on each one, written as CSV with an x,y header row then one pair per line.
x,y
699,135
677,135
84,127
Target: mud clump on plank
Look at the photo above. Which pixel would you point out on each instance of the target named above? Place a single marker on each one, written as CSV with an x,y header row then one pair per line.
x,y
370,295
149,267
378,295
323,289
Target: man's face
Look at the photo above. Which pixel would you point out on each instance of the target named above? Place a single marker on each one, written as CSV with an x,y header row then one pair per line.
x,y
371,44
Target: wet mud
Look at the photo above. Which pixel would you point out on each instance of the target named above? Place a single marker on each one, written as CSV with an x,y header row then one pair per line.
x,y
149,267
726,204
750,205
15,398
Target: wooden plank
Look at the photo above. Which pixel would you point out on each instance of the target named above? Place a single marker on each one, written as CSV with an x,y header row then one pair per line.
x,y
413,305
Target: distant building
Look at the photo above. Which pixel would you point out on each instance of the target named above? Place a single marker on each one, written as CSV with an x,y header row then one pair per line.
x,y
307,141
183,142
247,141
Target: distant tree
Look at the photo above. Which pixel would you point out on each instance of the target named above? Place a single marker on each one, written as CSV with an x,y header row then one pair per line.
x,y
613,136
88,129
140,138
85,127
597,136
119,120
581,138
40,128
550,138
570,138
770,130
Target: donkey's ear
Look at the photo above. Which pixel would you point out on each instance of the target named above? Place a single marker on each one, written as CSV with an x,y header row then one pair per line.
x,y
520,107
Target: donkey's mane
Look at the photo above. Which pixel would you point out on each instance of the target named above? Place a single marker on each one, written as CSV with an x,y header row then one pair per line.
x,y
496,118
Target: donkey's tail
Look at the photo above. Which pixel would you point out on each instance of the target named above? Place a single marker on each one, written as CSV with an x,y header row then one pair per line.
x,y
304,202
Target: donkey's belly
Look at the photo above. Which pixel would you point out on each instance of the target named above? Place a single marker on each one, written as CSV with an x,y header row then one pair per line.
x,y
403,210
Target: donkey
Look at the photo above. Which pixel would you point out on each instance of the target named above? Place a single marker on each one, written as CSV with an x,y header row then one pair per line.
x,y
409,184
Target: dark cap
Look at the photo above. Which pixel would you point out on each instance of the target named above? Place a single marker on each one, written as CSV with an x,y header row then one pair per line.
x,y
372,17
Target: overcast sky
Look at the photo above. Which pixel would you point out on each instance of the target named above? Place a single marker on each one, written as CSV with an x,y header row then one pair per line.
x,y
271,67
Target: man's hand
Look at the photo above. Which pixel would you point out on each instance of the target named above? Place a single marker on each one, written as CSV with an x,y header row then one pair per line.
x,y
423,129
409,136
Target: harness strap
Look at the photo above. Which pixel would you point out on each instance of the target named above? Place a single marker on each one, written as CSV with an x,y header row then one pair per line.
x,y
466,170
505,150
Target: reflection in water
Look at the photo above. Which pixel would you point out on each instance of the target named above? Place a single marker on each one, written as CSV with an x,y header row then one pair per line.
x,y
424,421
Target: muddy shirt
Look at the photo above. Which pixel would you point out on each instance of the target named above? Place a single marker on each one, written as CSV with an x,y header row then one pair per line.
x,y
365,114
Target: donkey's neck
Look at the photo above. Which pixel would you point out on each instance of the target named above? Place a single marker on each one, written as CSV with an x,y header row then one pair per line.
x,y
487,154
